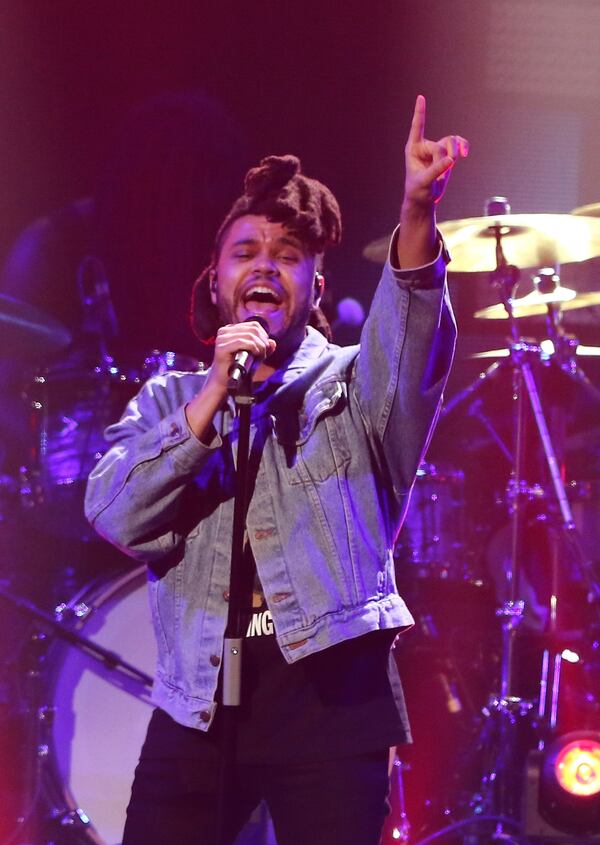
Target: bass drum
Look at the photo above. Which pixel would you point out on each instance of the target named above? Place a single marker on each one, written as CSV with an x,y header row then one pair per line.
x,y
100,715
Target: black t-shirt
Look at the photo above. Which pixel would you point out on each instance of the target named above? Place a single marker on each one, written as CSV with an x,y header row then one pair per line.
x,y
342,701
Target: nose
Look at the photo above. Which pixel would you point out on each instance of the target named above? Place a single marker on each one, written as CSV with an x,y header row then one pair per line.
x,y
265,265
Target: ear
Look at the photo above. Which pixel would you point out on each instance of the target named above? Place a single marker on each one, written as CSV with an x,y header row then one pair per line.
x,y
212,286
319,288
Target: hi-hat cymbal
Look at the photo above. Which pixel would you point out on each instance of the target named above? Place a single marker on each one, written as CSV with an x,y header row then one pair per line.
x,y
528,240
591,210
535,304
27,332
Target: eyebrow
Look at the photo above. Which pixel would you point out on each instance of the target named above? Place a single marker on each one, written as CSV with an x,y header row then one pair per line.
x,y
283,240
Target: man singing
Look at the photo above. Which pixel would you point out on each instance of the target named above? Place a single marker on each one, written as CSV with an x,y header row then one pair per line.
x,y
336,437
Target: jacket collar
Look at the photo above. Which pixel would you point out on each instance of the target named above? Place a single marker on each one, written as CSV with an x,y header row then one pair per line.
x,y
312,347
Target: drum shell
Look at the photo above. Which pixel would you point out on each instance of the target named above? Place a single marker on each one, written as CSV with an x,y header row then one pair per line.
x,y
70,406
432,540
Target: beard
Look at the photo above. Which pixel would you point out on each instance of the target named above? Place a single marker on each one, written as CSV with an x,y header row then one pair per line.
x,y
289,334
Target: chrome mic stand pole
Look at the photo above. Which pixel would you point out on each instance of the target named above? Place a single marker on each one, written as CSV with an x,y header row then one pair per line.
x,y
239,601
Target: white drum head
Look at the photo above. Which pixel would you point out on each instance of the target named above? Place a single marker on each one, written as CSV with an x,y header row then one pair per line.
x,y
102,714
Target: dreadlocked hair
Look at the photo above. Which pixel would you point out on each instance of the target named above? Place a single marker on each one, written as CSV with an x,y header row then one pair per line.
x,y
278,190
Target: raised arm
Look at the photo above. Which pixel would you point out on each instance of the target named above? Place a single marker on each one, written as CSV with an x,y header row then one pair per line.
x,y
408,339
428,167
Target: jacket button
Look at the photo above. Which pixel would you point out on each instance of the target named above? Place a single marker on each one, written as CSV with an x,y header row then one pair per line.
x,y
215,660
226,595
205,716
263,533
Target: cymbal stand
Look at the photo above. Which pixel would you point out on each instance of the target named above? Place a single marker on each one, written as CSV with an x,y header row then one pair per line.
x,y
505,710
498,794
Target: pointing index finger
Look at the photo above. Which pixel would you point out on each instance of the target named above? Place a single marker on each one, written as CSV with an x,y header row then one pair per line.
x,y
417,127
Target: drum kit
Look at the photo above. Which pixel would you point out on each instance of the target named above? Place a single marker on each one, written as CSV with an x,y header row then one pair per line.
x,y
529,594
498,557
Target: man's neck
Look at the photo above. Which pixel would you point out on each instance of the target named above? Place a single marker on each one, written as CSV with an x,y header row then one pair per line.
x,y
264,372
279,359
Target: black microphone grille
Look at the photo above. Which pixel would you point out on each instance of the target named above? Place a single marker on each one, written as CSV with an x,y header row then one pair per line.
x,y
256,318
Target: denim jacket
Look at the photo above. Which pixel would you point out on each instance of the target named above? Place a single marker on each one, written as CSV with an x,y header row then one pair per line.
x,y
336,438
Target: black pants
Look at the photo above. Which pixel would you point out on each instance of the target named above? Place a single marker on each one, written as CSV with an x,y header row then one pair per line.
x,y
174,799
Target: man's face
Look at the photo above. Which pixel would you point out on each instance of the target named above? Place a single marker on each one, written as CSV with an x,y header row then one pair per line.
x,y
265,270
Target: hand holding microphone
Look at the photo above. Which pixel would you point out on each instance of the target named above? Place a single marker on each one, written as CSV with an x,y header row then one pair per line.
x,y
238,347
245,360
243,344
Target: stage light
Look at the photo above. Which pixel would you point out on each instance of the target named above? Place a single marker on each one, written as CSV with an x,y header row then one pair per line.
x,y
570,656
577,767
569,787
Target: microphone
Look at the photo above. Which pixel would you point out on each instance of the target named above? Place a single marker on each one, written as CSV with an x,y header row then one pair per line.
x,y
244,361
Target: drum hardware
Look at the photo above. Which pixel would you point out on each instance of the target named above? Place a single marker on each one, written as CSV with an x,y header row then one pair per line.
x,y
398,821
57,740
99,324
37,719
80,610
498,791
109,658
475,410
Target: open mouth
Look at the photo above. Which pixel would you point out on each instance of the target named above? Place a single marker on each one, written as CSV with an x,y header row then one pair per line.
x,y
260,298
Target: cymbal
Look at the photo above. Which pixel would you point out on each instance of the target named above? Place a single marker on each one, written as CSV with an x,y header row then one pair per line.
x,y
528,240
535,304
591,210
27,332
584,351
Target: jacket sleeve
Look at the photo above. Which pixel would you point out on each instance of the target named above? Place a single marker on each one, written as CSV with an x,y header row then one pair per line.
x,y
134,492
407,345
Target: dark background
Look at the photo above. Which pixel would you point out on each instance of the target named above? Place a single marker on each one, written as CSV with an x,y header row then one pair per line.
x,y
333,82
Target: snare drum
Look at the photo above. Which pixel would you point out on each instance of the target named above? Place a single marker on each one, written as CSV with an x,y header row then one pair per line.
x,y
70,408
100,716
431,542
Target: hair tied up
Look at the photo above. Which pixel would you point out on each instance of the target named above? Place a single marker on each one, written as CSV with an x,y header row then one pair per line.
x,y
271,175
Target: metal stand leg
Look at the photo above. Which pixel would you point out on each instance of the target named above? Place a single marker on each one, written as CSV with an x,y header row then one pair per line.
x,y
401,829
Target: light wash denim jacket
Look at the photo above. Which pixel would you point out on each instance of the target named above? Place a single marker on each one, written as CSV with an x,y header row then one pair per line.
x,y
335,447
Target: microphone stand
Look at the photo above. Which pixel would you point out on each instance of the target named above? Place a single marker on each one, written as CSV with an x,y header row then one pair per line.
x,y
240,591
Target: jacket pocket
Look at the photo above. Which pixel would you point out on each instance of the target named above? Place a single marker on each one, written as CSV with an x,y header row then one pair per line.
x,y
312,441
